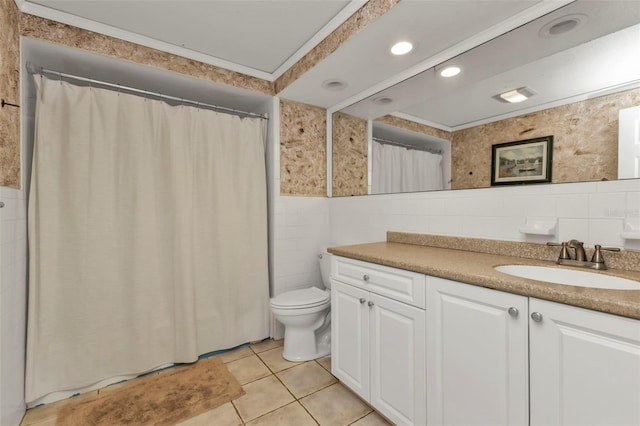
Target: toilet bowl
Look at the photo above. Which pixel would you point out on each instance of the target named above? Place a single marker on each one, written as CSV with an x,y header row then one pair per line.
x,y
306,317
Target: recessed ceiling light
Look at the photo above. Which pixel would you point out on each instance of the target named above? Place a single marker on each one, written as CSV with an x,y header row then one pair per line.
x,y
562,25
520,94
334,84
450,71
401,48
382,100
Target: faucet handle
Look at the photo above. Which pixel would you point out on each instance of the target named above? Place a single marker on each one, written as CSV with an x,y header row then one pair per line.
x,y
597,254
564,251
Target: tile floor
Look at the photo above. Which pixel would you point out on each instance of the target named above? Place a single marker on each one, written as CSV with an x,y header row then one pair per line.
x,y
277,392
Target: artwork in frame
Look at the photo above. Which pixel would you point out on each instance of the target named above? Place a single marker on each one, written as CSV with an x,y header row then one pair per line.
x,y
522,162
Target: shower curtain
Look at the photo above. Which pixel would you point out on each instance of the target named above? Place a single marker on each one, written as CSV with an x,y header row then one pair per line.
x,y
398,169
147,236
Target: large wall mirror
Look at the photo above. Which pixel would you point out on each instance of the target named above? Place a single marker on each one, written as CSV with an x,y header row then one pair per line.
x,y
572,73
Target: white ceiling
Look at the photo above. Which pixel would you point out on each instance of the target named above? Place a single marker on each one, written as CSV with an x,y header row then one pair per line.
x,y
256,34
264,37
558,69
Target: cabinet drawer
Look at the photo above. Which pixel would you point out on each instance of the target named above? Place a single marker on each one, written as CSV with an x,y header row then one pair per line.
x,y
397,284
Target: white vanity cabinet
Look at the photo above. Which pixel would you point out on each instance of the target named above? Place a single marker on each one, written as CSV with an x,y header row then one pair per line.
x,y
585,366
378,337
477,355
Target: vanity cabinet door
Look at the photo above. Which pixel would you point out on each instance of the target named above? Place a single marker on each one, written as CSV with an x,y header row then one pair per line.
x,y
477,355
585,366
350,337
398,377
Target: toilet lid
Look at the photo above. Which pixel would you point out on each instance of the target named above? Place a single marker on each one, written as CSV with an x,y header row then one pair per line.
x,y
305,298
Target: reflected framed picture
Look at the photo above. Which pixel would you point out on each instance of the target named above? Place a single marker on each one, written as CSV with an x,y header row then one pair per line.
x,y
522,162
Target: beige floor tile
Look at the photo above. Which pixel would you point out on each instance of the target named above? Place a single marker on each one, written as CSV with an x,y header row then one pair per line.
x,y
372,419
224,415
325,363
335,406
305,379
248,369
273,359
262,397
235,354
46,414
265,345
289,415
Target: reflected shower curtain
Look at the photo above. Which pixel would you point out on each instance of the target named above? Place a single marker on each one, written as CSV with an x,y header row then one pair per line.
x,y
397,169
147,236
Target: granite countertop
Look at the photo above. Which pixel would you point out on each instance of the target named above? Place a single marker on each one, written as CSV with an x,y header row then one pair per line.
x,y
477,268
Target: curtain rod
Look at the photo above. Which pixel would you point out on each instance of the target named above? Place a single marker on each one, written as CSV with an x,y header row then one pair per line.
x,y
146,92
417,148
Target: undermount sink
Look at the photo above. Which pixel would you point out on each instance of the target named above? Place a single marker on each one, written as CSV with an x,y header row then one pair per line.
x,y
569,277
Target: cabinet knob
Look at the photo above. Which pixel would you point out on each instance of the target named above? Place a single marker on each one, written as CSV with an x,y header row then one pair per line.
x,y
513,312
536,316
362,300
370,304
365,277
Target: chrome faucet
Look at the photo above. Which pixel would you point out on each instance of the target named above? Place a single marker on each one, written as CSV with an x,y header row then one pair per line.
x,y
597,260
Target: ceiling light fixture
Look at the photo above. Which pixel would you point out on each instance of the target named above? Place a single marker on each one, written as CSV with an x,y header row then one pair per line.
x,y
516,95
334,85
562,25
382,100
450,71
401,48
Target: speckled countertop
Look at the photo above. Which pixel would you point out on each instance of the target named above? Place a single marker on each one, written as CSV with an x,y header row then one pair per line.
x,y
478,269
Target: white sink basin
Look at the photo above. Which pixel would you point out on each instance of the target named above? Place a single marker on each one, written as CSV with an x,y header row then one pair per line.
x,y
569,277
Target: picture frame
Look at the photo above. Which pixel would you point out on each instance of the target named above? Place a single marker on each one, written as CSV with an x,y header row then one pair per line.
x,y
522,162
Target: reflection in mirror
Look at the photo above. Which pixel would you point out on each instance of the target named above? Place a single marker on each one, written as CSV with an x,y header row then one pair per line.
x,y
578,81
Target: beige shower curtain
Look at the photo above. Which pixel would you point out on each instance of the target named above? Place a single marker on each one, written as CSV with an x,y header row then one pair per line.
x,y
147,236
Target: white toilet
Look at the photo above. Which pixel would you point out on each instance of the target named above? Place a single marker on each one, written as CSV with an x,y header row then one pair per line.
x,y
306,317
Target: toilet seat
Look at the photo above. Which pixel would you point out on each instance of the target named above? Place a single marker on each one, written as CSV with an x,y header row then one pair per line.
x,y
299,299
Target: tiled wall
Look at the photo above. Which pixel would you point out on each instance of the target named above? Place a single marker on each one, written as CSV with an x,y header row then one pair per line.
x,y
13,293
592,212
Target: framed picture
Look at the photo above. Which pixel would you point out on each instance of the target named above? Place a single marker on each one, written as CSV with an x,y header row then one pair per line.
x,y
522,162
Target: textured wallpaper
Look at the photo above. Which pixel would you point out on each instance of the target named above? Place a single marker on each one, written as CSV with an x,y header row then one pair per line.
x,y
44,29
415,127
350,155
303,152
585,145
10,92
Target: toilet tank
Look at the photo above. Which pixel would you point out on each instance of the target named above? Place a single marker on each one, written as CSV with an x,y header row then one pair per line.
x,y
325,267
